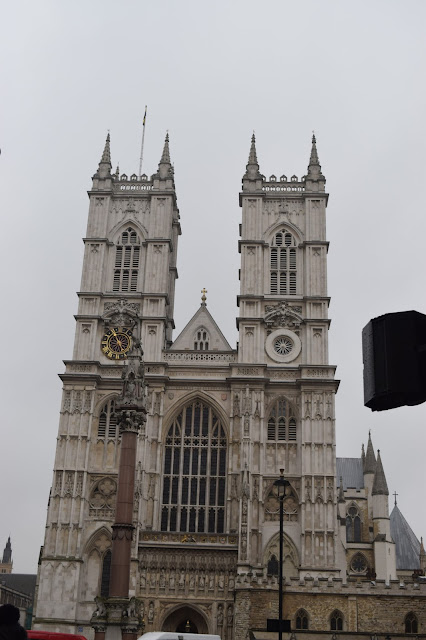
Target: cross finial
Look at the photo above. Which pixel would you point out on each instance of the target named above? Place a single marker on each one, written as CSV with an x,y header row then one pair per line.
x,y
203,297
395,494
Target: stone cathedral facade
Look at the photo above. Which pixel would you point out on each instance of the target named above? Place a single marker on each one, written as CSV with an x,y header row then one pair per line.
x,y
222,422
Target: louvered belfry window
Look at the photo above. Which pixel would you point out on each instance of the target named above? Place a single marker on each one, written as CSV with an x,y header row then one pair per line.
x,y
194,472
127,258
282,421
107,427
283,264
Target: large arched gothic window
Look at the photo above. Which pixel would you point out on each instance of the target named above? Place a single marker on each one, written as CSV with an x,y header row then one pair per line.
x,y
194,472
127,257
282,421
353,524
283,264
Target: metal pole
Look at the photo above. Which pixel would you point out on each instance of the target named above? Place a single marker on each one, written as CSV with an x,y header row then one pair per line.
x,y
142,145
280,573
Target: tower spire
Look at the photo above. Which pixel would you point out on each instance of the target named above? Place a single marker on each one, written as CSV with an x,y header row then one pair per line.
x,y
253,155
370,458
314,175
7,553
380,486
314,153
252,167
105,166
165,158
165,169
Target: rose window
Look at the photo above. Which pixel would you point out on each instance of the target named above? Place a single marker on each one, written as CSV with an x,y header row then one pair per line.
x,y
283,345
359,563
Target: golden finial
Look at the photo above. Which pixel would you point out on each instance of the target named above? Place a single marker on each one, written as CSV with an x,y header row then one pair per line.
x,y
203,297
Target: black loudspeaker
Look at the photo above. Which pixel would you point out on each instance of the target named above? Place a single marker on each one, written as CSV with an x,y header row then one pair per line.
x,y
272,624
394,355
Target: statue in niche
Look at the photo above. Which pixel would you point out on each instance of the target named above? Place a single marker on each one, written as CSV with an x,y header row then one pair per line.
x,y
247,404
231,583
211,582
151,486
221,582
181,582
201,581
143,579
234,487
151,613
192,582
230,615
157,404
236,405
220,616
172,580
162,579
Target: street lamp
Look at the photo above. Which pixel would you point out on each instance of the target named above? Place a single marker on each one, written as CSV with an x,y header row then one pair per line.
x,y
281,485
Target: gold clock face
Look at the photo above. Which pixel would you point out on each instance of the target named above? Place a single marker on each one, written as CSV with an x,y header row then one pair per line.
x,y
116,343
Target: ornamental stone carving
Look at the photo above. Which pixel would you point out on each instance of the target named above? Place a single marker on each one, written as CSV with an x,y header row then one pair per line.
x,y
102,498
282,315
290,504
121,313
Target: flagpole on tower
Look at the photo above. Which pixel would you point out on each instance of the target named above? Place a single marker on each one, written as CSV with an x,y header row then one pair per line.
x,y
143,141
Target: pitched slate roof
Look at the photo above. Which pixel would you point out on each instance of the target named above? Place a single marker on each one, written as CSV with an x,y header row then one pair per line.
x,y
406,543
351,472
22,582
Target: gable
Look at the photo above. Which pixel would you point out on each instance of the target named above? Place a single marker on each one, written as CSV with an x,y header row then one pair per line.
x,y
201,334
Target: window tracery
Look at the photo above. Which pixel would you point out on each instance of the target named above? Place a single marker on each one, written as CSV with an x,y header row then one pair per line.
x,y
107,425
282,422
411,623
336,621
353,524
194,472
302,619
283,264
290,504
359,563
127,258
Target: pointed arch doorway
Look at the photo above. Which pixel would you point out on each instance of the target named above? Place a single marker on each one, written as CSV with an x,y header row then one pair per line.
x,y
185,620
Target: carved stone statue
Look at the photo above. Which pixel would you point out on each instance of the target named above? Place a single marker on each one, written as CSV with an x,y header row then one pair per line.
x,y
100,611
220,616
151,612
230,615
182,579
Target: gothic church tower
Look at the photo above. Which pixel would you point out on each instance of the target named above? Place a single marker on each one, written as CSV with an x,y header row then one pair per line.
x,y
127,285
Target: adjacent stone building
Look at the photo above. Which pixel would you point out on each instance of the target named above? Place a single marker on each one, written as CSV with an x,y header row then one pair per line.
x,y
222,423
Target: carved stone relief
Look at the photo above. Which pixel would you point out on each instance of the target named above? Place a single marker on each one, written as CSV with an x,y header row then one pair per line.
x,y
102,498
290,504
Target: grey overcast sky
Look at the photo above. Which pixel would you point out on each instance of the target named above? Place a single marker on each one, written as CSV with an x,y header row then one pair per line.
x,y
210,73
